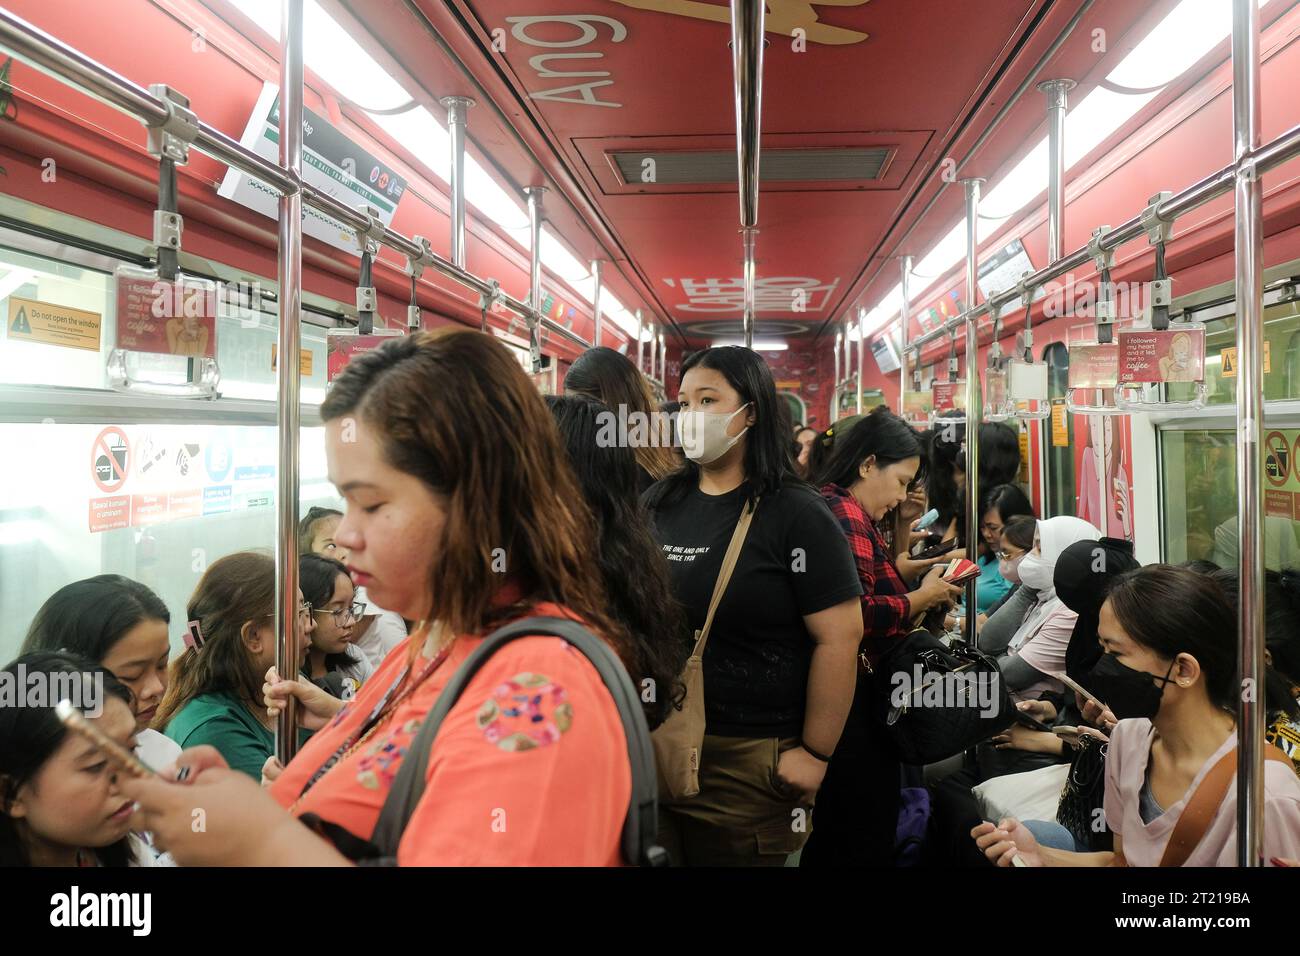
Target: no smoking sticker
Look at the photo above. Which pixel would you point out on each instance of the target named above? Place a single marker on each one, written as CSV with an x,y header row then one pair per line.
x,y
110,459
1277,459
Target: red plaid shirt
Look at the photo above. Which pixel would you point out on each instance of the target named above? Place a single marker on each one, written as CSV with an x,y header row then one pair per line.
x,y
886,612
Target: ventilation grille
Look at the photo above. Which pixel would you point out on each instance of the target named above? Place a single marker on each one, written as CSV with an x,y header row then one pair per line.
x,y
709,167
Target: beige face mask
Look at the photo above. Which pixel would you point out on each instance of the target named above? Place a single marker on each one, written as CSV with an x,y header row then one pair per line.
x,y
704,434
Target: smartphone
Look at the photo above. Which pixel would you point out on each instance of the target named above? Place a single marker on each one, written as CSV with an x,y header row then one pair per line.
x,y
1033,723
1076,686
927,519
111,749
939,549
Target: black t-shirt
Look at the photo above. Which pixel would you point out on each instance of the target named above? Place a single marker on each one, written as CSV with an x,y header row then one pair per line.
x,y
796,561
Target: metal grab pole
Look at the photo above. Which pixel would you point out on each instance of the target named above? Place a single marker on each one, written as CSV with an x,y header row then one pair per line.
x,y
747,27
534,194
457,108
288,409
862,345
1056,91
652,350
640,327
835,388
747,243
595,301
663,363
907,322
1250,421
974,409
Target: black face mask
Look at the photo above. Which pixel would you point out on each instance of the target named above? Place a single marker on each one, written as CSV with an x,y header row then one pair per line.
x,y
1127,692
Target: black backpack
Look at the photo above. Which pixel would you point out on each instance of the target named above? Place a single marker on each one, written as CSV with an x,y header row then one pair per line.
x,y
640,828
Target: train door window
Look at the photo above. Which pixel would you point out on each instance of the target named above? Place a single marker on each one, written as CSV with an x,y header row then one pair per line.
x,y
1198,496
1281,381
1058,460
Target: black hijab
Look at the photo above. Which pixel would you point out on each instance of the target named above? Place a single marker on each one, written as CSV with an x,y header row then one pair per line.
x,y
1083,574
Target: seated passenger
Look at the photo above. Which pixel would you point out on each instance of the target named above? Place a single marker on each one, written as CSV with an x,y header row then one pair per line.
x,y
460,515
333,662
122,626
60,799
214,692
1169,675
1000,504
378,631
631,563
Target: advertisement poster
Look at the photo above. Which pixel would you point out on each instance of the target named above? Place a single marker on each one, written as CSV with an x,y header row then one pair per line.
x,y
342,346
1094,366
168,318
917,406
1171,355
1103,469
949,395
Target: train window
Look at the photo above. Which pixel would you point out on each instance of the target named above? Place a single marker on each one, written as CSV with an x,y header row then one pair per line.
x,y
1199,500
56,319
1281,382
1058,460
190,494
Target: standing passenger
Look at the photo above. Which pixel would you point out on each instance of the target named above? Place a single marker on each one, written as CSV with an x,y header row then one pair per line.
x,y
780,660
610,378
870,472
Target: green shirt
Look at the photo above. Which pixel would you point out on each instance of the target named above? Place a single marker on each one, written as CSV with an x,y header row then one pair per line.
x,y
221,721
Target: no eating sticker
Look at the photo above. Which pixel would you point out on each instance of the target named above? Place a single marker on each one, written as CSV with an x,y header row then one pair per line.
x,y
110,459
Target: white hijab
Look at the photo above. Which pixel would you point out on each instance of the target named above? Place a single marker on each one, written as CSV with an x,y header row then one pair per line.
x,y
1054,536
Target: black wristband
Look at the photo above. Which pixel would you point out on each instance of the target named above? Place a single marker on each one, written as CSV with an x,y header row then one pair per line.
x,y
813,753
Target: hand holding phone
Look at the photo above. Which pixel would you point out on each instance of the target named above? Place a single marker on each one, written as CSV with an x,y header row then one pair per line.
x,y
927,519
935,551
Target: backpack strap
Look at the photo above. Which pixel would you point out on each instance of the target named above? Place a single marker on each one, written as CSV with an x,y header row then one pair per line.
x,y
640,827
1203,804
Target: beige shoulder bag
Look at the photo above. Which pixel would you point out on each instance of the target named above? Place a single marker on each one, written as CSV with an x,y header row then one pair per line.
x,y
679,739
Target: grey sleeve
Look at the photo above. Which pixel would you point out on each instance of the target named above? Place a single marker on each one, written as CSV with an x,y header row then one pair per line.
x,y
1016,673
1002,625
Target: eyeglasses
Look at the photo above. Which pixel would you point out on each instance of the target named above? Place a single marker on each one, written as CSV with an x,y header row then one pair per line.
x,y
304,613
345,614
1007,555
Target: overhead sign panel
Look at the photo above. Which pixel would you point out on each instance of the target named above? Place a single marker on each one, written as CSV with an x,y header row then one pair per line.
x,y
331,162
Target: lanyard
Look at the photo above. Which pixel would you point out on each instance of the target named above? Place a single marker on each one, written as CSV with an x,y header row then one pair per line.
x,y
375,714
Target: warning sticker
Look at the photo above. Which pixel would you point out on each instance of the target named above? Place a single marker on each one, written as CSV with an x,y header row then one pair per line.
x,y
33,321
1277,459
109,514
1228,368
304,360
110,459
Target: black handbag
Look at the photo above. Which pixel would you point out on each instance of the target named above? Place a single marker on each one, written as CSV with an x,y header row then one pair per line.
x,y
937,701
1081,800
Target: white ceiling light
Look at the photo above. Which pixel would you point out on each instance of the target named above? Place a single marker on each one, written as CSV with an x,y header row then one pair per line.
x,y
560,260
333,54
423,136
759,345
1191,30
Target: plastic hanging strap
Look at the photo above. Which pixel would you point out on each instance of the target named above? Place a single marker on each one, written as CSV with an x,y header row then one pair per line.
x,y
1160,313
168,257
413,324
366,319
1105,330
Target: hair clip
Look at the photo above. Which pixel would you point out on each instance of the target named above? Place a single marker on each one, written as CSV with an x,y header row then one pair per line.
x,y
193,636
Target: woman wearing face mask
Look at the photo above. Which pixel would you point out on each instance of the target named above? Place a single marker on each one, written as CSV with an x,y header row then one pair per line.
x,y
780,660
869,474
1169,675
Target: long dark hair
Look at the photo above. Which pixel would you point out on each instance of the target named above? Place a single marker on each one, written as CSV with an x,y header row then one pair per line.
x,y
234,590
768,464
1281,632
1175,611
611,378
882,434
88,617
631,562
29,736
454,409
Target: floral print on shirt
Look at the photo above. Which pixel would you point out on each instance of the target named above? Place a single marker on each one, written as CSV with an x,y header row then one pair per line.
x,y
525,712
381,760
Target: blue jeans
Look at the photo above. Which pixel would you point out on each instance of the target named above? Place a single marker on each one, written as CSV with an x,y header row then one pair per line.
x,y
1051,834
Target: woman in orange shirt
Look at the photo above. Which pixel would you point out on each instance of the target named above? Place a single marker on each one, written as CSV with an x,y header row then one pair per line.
x,y
462,514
